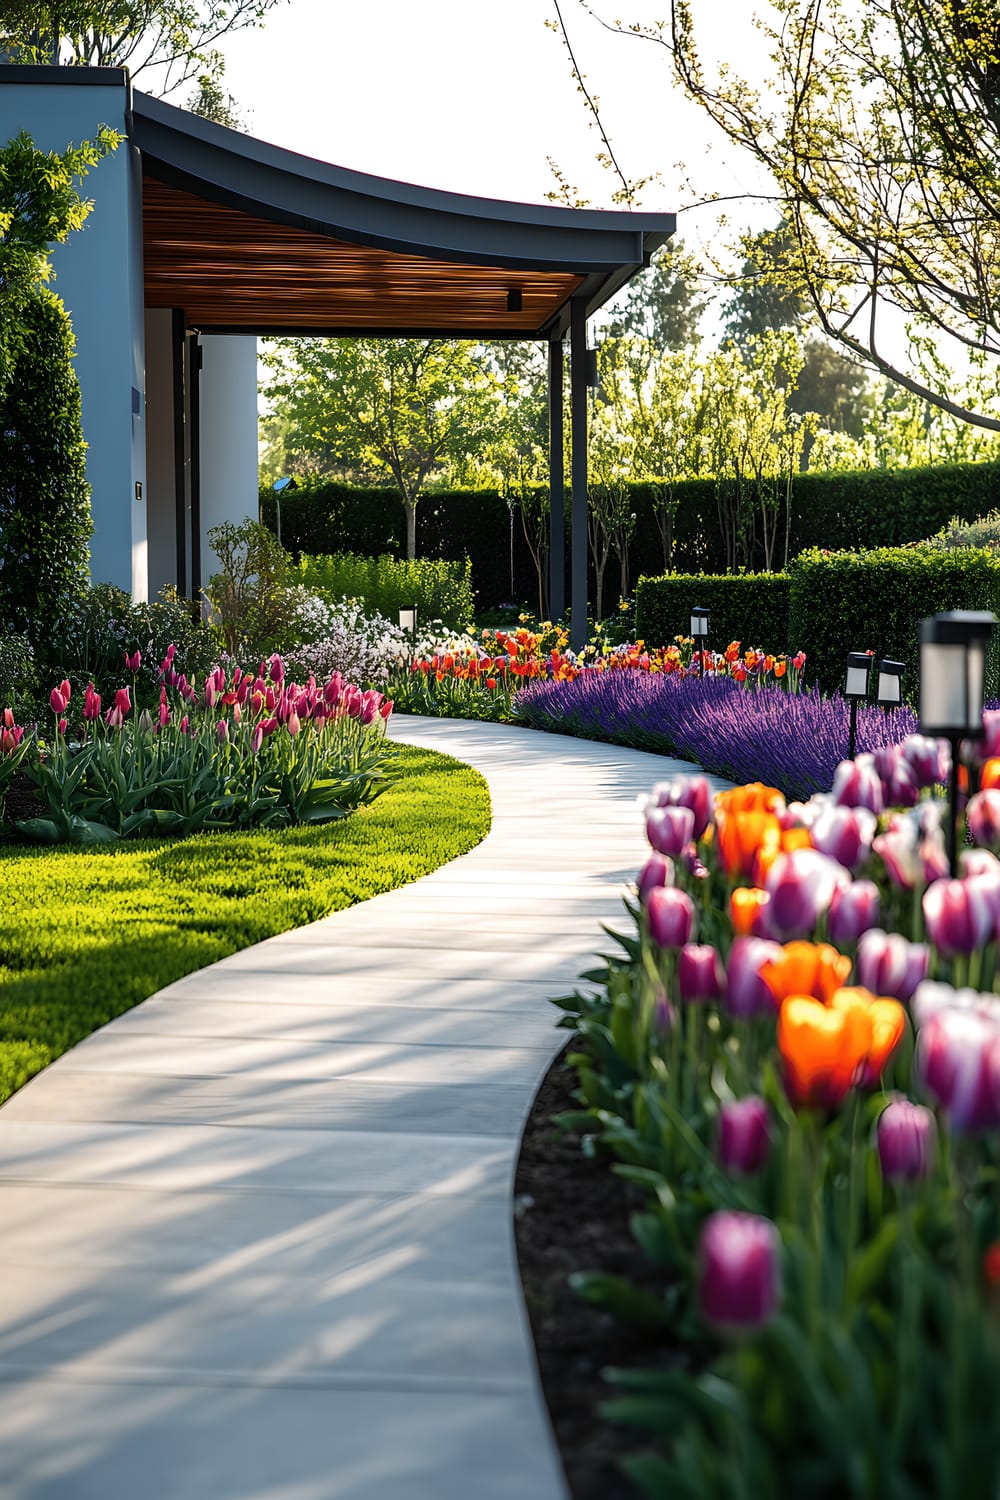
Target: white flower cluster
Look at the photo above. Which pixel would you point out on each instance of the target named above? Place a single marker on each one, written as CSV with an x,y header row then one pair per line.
x,y
365,648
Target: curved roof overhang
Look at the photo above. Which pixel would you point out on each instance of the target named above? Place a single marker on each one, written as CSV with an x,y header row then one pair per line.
x,y
247,237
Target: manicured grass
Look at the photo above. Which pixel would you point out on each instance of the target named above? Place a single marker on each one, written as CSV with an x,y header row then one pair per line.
x,y
86,935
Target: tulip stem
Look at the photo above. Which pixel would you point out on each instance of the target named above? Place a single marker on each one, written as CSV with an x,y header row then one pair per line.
x,y
851,1230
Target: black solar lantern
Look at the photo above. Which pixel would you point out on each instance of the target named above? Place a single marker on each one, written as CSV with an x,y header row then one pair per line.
x,y
857,684
889,693
953,649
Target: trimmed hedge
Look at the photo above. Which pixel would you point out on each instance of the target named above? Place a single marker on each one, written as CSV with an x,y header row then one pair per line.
x,y
440,588
859,601
840,511
747,607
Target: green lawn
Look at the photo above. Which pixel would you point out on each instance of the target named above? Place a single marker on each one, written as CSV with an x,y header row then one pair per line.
x,y
86,935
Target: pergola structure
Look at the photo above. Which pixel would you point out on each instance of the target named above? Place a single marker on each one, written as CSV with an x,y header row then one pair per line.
x,y
239,237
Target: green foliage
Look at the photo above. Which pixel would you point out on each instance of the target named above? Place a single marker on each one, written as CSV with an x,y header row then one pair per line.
x,y
441,590
662,305
859,601
984,532
17,669
89,641
44,496
749,607
66,970
252,612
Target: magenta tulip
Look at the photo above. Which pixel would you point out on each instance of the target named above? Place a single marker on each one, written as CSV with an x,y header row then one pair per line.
x,y
123,702
905,1135
658,870
958,915
746,993
854,909
133,662
671,917
983,816
888,965
923,756
744,1135
844,833
958,1061
694,792
91,703
801,886
57,702
222,731
668,829
664,1017
700,975
276,670
856,783
738,1270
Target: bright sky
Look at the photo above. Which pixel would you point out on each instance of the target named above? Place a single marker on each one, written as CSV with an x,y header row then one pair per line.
x,y
473,97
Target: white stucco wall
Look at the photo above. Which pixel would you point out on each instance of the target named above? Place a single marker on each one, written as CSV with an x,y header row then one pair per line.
x,y
99,278
228,437
161,506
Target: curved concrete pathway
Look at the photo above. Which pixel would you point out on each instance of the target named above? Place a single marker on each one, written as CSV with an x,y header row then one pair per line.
x,y
255,1238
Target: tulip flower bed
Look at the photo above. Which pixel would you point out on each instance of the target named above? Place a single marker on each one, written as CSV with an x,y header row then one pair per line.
x,y
88,933
242,750
795,1061
792,740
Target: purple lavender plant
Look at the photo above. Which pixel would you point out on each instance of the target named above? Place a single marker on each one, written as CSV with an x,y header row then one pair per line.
x,y
793,741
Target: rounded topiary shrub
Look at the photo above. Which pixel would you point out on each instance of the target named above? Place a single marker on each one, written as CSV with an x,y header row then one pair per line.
x,y
45,519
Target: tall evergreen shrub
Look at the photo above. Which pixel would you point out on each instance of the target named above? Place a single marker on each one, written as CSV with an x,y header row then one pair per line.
x,y
44,496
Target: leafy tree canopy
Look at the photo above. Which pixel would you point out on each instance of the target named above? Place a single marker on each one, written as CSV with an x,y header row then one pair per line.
x,y
662,304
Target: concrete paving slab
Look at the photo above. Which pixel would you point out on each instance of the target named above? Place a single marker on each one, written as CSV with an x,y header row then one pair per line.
x,y
257,1233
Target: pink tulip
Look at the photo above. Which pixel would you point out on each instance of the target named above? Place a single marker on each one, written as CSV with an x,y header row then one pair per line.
x,y
163,714
658,870
61,726
923,756
10,736
931,996
668,829
746,993
801,886
694,792
57,701
276,670
845,834
671,917
958,1062
738,1270
743,1135
700,975
222,731
91,703
114,718
122,701
983,816
905,1136
385,708
257,738
958,915
888,965
185,725
854,909
208,693
856,783
293,724
133,662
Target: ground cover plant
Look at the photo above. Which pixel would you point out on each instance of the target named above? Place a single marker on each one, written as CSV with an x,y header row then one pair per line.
x,y
794,1057
241,750
87,933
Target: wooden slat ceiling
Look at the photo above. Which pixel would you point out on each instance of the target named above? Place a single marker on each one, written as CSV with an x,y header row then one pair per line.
x,y
228,269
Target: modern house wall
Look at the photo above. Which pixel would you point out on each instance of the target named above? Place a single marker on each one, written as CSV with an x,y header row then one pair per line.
x,y
228,437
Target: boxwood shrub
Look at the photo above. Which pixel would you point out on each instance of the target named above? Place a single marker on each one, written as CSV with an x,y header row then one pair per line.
x,y
747,607
860,601
439,587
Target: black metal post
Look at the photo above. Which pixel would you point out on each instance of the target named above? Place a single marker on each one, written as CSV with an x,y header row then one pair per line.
x,y
952,828
852,741
557,484
578,479
195,355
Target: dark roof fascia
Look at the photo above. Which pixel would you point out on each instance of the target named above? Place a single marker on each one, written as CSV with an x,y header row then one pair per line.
x,y
252,176
340,331
42,73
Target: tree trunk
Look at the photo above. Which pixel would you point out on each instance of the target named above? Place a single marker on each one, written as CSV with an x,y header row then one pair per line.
x,y
410,506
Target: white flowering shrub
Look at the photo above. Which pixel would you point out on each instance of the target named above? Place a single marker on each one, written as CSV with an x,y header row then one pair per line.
x,y
340,637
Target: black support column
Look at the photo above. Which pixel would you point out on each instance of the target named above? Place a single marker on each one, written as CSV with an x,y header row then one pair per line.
x,y
578,473
194,428
179,340
557,487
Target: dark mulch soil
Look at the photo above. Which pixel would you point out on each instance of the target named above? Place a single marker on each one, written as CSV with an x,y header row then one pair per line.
x,y
571,1214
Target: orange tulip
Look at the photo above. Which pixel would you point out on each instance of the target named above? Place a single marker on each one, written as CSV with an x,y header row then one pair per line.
x,y
747,905
780,667
888,1021
745,836
753,797
824,1051
815,969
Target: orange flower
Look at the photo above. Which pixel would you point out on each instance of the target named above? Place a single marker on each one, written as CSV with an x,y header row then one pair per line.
x,y
753,797
745,837
732,651
780,667
989,777
746,904
823,1050
815,969
888,1021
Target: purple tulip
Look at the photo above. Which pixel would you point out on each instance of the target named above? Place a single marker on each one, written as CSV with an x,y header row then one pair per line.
x,y
856,783
844,833
746,993
669,829
671,916
923,756
958,1061
664,1017
700,975
222,731
888,965
738,1270
905,1136
983,816
801,886
694,792
276,670
854,909
958,915
657,871
744,1135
